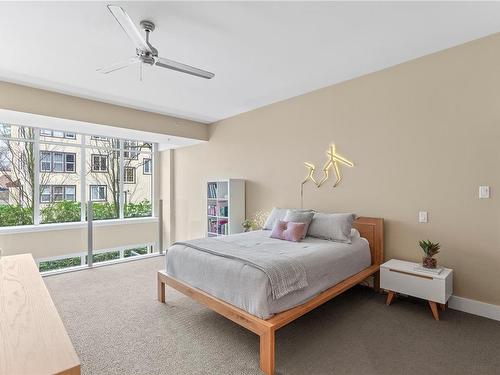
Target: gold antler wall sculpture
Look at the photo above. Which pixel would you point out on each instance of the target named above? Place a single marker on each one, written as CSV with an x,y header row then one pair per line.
x,y
333,161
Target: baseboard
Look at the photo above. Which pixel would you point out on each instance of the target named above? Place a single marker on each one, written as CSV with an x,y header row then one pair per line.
x,y
471,306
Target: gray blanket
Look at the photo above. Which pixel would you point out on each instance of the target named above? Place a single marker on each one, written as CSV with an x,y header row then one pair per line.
x,y
285,273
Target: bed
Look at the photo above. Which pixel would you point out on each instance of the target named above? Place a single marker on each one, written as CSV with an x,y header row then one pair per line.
x,y
331,269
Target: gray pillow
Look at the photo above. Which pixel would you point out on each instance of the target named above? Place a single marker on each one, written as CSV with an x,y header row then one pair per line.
x,y
332,227
300,216
279,214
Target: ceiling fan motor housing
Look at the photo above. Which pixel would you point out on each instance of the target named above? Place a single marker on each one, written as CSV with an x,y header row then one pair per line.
x,y
147,25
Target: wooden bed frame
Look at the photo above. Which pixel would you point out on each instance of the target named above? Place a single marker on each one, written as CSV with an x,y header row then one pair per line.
x,y
370,228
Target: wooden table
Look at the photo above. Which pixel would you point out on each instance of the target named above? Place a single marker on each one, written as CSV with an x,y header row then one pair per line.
x,y
33,339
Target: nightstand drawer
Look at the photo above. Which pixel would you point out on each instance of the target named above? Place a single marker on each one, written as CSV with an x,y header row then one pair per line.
x,y
417,285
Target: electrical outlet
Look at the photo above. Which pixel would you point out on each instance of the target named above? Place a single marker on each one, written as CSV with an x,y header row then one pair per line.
x,y
484,192
422,217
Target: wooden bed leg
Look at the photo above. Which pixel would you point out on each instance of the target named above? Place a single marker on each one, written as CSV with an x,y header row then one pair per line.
x,y
267,352
161,290
376,282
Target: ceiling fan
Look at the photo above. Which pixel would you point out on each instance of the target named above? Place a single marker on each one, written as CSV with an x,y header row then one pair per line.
x,y
146,53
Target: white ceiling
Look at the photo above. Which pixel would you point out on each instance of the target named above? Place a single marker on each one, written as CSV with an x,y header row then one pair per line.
x,y
260,52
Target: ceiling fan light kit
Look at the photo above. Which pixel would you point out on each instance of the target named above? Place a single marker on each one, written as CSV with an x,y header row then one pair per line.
x,y
145,52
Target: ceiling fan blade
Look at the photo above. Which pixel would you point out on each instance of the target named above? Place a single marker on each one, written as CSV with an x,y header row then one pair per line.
x,y
130,29
174,65
118,65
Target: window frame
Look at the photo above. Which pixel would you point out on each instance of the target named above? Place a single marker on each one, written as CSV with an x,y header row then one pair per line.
x,y
149,162
52,134
125,176
130,151
52,161
100,170
83,142
52,193
105,199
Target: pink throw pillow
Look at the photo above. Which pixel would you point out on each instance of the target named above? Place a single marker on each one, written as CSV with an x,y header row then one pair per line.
x,y
278,229
288,231
294,231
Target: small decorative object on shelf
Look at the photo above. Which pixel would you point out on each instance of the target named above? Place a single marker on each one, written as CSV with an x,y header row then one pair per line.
x,y
430,249
248,224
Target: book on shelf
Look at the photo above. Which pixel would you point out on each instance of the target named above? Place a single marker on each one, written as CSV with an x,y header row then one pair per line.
x,y
224,211
212,190
212,210
434,271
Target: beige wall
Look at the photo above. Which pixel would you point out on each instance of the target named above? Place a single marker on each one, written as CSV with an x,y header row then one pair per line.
x,y
30,100
424,135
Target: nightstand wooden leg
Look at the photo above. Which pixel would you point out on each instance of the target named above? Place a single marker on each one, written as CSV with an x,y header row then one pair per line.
x,y
390,297
434,309
443,306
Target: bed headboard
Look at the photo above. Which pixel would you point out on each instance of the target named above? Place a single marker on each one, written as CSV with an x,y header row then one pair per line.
x,y
372,229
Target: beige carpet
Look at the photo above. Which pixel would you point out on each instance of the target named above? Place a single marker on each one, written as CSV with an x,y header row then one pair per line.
x,y
118,327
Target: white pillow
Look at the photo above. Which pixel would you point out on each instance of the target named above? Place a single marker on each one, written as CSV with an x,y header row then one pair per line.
x,y
279,214
355,233
275,215
332,227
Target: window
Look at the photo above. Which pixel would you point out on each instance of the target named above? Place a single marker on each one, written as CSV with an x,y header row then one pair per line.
x,y
57,193
104,168
46,194
129,175
56,134
146,166
45,161
69,162
130,149
98,193
70,193
99,163
57,161
138,203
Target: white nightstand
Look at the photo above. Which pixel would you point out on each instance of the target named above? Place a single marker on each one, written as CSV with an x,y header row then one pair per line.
x,y
398,276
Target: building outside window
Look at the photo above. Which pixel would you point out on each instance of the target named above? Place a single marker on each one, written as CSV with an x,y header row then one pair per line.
x,y
99,163
98,193
147,165
130,148
57,134
66,174
129,175
57,193
57,161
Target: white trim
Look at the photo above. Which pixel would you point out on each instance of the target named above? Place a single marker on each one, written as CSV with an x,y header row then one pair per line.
x,y
95,252
75,225
486,310
121,175
99,264
83,179
36,177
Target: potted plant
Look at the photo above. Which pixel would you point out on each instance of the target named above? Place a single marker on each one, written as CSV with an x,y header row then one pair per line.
x,y
430,249
247,224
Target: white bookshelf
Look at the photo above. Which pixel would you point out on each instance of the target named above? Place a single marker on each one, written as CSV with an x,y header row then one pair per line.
x,y
225,206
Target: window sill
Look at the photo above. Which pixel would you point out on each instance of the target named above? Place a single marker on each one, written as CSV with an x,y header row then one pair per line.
x,y
75,225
